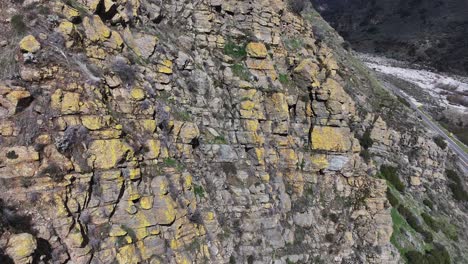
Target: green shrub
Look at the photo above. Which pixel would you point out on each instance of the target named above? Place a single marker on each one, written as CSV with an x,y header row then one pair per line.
x,y
18,24
366,140
428,203
219,140
413,221
449,230
296,6
170,162
284,79
234,50
404,101
365,154
293,44
182,115
456,186
440,141
415,257
241,71
392,199
199,191
390,174
437,255
433,224
452,175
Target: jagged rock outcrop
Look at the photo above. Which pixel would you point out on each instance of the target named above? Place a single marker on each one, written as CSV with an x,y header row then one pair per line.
x,y
189,132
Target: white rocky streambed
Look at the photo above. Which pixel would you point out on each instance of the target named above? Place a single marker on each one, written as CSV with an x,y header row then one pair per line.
x,y
438,85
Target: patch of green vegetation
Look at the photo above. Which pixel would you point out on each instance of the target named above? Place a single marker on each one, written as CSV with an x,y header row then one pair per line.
x,y
236,51
392,198
366,142
18,25
414,222
241,71
458,135
284,79
43,10
219,140
433,224
440,141
456,186
172,163
403,101
437,255
198,191
428,203
300,165
399,226
390,174
450,230
366,155
167,97
182,115
293,44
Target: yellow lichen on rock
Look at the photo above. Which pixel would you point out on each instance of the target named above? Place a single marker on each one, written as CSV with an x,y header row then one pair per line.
x,y
153,147
251,125
66,28
30,44
188,132
327,138
319,161
165,67
21,247
257,50
137,94
92,122
106,154
70,103
308,69
148,125
247,105
127,255
117,231
70,13
146,202
335,90
277,107
95,29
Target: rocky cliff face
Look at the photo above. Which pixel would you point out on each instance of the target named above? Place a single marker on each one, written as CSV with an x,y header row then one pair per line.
x,y
423,31
199,132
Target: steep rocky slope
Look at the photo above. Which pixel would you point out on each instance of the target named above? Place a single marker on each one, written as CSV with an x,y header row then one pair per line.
x,y
423,31
208,132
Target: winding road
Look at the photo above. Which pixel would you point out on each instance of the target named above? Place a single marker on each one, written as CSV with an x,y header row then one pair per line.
x,y
462,155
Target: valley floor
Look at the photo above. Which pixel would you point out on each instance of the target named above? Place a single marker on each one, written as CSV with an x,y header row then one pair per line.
x,y
425,90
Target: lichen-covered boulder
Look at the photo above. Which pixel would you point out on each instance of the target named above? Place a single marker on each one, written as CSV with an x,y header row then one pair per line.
x,y
21,248
107,154
337,139
30,44
257,50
